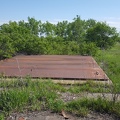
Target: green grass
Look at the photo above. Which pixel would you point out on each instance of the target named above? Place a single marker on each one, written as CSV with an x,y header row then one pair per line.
x,y
31,96
2,117
27,81
75,88
109,60
83,106
90,87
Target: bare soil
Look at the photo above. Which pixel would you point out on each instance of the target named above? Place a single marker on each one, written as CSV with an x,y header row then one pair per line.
x,y
47,115
66,97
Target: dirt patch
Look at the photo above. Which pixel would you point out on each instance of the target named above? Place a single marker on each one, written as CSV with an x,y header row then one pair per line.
x,y
47,115
66,97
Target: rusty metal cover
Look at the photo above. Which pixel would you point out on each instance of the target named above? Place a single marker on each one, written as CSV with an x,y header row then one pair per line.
x,y
53,66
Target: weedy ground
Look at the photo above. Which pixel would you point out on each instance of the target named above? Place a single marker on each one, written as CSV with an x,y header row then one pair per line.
x,y
22,95
109,60
28,95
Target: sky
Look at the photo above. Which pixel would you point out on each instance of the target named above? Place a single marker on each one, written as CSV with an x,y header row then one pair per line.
x,y
58,10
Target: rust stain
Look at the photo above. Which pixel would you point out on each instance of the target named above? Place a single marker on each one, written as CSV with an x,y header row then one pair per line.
x,y
53,66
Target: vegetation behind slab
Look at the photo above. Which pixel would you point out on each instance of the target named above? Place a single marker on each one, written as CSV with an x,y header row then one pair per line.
x,y
34,37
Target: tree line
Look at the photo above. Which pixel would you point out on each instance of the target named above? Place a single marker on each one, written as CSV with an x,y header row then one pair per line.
x,y
79,37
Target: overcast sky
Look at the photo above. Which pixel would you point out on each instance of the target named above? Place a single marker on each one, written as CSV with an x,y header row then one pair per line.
x,y
59,10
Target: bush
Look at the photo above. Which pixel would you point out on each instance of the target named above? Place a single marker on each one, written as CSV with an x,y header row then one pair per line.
x,y
88,49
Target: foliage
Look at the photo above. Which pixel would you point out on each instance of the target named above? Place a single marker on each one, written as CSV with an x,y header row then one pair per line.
x,y
76,30
78,37
6,47
88,49
102,35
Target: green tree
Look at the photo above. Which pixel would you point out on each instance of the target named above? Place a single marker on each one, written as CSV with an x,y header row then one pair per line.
x,y
23,28
33,26
48,29
102,35
34,37
90,23
76,30
6,48
61,29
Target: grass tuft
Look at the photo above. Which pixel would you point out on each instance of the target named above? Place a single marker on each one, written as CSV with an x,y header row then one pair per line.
x,y
97,105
